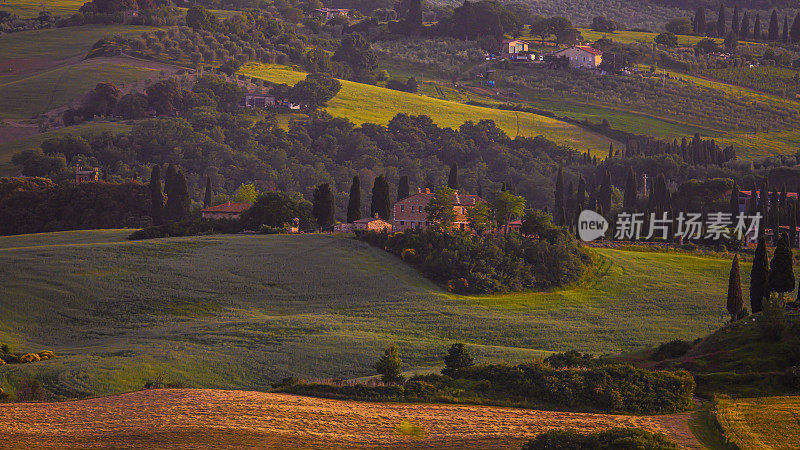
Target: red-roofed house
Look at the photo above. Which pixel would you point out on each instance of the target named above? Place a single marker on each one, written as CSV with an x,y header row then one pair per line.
x,y
225,211
409,213
581,56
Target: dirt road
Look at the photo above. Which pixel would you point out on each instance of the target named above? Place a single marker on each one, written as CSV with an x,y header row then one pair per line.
x,y
191,418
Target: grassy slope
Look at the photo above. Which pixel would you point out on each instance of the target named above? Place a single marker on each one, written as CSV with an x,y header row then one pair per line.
x,y
629,37
9,149
365,103
243,311
31,8
761,423
57,87
61,43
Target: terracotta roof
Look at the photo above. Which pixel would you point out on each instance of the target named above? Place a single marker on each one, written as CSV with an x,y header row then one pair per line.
x,y
228,208
585,48
463,199
788,194
508,41
369,219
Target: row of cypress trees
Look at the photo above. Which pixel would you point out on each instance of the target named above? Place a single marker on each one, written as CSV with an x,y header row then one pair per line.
x,y
766,276
741,28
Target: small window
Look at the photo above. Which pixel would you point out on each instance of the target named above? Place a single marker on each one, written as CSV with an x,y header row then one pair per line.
x,y
402,208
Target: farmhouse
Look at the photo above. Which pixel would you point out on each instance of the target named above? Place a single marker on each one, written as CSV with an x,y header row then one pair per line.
x,y
330,13
225,211
513,46
372,224
581,56
409,213
87,175
257,100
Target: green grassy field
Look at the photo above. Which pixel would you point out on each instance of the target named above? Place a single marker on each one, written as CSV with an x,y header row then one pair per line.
x,y
57,87
61,43
628,37
761,423
31,8
244,311
8,149
365,103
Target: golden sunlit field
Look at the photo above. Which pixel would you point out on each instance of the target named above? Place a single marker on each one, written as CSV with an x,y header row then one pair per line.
x,y
239,418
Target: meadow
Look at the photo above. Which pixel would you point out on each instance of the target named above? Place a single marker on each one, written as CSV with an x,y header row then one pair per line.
x,y
775,80
761,423
61,43
9,149
362,103
244,311
31,8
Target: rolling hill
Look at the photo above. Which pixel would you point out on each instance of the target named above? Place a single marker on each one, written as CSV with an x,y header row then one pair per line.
x,y
366,103
243,311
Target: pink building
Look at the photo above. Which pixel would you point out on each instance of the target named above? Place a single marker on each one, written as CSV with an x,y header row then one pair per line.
x,y
409,213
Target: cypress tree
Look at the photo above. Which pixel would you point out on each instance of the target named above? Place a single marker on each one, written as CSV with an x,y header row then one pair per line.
x,y
480,189
452,178
169,178
207,196
700,21
785,36
605,193
380,203
156,195
559,197
721,21
773,31
735,20
744,29
794,32
403,189
178,201
354,202
610,150
759,277
629,198
323,207
734,303
781,276
734,201
757,28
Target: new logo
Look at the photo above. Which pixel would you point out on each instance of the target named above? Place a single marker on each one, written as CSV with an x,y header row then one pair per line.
x,y
591,225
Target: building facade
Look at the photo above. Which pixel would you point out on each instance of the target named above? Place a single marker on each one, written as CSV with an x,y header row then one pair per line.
x,y
225,211
87,175
372,224
581,56
409,213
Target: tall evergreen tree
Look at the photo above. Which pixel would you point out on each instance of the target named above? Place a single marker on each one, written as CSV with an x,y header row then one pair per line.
x,y
773,32
744,29
781,275
178,201
323,206
785,35
380,203
733,204
722,24
559,197
757,28
208,194
734,303
794,32
169,178
629,198
604,195
452,177
403,190
759,277
156,195
354,202
580,196
735,20
610,151
699,22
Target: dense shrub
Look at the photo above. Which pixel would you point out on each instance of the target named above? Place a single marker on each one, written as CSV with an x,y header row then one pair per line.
x,y
615,438
470,263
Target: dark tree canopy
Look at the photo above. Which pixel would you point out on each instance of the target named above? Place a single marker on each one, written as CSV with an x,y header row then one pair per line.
x,y
781,275
759,276
734,303
381,202
457,358
354,201
323,206
277,209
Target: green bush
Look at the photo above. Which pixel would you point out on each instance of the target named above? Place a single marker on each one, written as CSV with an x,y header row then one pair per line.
x,y
671,349
615,438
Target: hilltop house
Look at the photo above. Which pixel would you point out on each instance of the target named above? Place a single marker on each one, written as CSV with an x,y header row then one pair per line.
x,y
581,56
225,211
87,175
330,13
409,213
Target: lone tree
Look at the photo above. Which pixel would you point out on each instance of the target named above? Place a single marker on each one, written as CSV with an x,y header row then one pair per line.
x,y
735,290
354,202
452,177
457,358
380,203
156,195
207,196
323,208
759,276
440,209
389,365
781,276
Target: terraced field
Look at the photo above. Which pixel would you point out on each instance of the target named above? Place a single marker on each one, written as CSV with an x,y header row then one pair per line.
x,y
202,418
365,103
244,311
